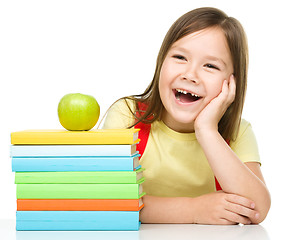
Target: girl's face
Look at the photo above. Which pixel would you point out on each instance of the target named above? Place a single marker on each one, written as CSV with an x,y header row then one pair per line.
x,y
192,75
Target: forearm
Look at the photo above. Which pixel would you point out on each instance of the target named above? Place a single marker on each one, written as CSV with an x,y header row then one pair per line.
x,y
233,175
166,210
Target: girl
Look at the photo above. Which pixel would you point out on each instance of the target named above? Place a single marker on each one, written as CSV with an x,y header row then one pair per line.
x,y
190,116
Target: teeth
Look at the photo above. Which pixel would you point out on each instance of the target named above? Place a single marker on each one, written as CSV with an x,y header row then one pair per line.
x,y
185,92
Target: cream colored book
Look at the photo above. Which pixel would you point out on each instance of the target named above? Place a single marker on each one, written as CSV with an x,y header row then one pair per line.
x,y
64,137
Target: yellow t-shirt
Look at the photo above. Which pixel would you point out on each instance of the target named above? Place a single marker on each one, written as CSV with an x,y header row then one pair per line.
x,y
175,163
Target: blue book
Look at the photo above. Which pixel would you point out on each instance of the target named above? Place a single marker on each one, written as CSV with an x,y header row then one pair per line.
x,y
72,150
77,220
64,164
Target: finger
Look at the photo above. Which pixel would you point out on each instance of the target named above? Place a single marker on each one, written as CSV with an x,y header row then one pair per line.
x,y
241,210
225,88
224,221
224,92
240,200
232,89
227,96
234,217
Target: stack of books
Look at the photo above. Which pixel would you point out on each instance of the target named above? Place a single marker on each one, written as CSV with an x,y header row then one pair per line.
x,y
77,180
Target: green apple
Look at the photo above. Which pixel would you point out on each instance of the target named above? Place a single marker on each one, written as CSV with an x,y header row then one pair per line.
x,y
78,112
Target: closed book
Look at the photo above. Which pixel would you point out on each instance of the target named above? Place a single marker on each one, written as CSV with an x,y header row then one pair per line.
x,y
77,220
72,150
57,164
79,204
80,177
80,191
96,136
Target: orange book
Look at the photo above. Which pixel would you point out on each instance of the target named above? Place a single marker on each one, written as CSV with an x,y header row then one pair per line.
x,y
79,204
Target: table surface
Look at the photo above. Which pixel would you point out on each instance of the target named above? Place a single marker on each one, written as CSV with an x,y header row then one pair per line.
x,y
147,231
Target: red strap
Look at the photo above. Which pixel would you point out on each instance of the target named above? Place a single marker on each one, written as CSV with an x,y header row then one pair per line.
x,y
144,130
218,186
144,134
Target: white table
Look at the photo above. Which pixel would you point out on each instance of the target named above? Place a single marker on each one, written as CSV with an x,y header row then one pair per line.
x,y
147,231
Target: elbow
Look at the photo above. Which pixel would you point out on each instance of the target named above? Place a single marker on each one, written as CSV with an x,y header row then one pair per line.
x,y
263,208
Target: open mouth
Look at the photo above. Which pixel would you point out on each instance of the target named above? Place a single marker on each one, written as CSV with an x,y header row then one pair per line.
x,y
185,96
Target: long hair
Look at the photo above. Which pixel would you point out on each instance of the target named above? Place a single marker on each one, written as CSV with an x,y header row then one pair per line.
x,y
191,22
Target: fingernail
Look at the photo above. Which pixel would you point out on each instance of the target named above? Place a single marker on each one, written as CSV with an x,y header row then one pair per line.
x,y
257,215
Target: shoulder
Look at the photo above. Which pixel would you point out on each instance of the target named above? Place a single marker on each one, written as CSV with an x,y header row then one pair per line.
x,y
123,104
245,145
244,127
120,114
245,132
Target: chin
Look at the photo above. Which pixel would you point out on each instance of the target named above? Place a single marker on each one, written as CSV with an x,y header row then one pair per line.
x,y
185,117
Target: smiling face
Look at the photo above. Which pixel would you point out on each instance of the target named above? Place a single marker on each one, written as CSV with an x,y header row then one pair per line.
x,y
192,75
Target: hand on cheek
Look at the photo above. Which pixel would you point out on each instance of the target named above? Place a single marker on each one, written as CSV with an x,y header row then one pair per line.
x,y
210,116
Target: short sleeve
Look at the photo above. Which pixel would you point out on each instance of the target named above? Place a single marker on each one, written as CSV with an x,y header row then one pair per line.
x,y
119,115
245,146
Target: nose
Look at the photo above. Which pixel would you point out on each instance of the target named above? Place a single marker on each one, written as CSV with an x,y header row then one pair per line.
x,y
190,74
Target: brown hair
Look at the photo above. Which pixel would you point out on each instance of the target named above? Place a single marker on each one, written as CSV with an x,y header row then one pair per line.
x,y
191,22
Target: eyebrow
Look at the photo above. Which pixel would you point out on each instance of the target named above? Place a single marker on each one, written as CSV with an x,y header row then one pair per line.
x,y
208,57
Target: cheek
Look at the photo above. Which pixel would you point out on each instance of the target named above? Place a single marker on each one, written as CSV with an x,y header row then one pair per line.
x,y
214,89
164,74
164,79
161,82
162,86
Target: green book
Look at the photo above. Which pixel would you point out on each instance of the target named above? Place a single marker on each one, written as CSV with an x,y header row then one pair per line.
x,y
80,177
80,191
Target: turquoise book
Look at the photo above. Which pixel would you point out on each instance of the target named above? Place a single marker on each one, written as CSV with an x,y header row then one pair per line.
x,y
57,164
77,220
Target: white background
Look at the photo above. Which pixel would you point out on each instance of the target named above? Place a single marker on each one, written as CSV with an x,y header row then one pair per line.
x,y
108,49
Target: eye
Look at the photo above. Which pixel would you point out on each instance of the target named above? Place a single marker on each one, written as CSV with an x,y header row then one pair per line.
x,y
180,57
208,65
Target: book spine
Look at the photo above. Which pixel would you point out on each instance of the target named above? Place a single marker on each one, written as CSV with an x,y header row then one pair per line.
x,y
79,137
78,191
33,164
76,177
79,205
71,150
77,220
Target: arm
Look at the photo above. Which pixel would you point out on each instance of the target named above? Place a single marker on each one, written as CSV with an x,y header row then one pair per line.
x,y
166,210
233,175
214,208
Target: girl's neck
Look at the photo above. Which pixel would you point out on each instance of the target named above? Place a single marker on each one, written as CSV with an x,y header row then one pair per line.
x,y
178,127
